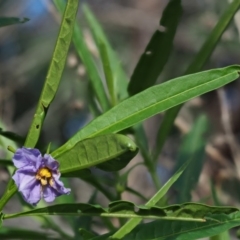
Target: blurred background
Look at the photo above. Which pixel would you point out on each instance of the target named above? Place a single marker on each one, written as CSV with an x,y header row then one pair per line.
x,y
25,53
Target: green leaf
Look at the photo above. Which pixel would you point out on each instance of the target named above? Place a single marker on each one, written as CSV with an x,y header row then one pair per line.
x,y
86,222
132,223
152,101
157,51
221,236
122,209
209,45
54,72
193,147
200,59
177,230
108,71
96,151
15,233
6,21
98,33
165,129
85,55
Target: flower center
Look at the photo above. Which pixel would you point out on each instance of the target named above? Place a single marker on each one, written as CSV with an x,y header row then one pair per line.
x,y
44,175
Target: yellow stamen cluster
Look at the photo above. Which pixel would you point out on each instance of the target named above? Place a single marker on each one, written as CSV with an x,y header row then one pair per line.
x,y
44,175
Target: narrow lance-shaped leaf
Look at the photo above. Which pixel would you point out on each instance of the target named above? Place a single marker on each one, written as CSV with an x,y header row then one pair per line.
x,y
85,55
132,223
54,73
193,147
152,101
183,212
224,235
108,71
209,45
178,230
98,33
201,58
6,21
157,51
117,148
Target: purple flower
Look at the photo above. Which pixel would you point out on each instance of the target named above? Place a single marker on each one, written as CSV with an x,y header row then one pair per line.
x,y
37,177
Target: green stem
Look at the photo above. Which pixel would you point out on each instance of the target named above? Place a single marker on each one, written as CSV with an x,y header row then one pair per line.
x,y
155,178
7,195
151,168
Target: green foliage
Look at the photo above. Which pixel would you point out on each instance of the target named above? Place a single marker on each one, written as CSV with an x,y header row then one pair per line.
x,y
95,151
85,55
98,144
209,45
221,236
193,147
131,224
120,78
197,64
122,209
175,230
54,73
157,51
108,71
6,21
152,101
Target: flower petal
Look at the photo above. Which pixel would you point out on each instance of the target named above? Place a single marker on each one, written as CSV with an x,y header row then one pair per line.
x,y
50,162
49,194
33,194
23,177
28,185
27,157
59,187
